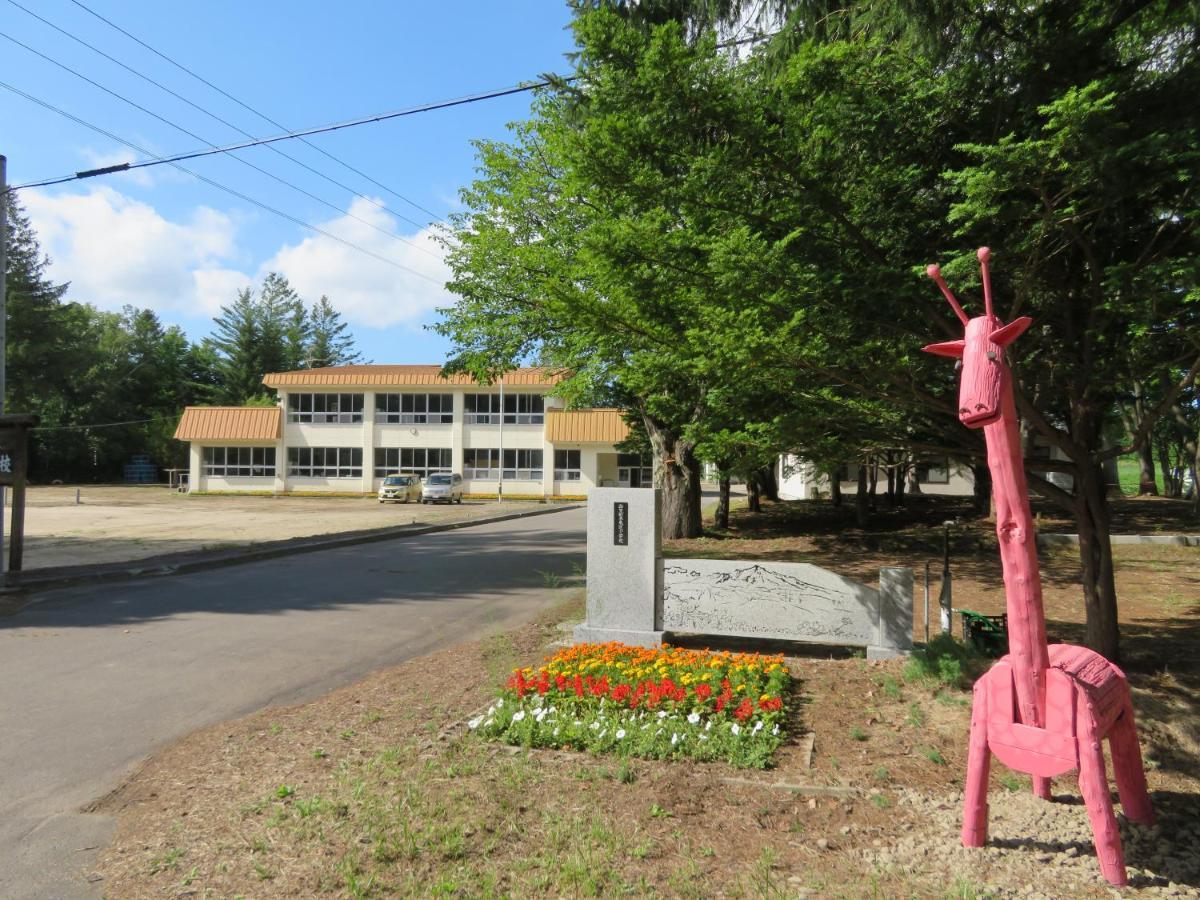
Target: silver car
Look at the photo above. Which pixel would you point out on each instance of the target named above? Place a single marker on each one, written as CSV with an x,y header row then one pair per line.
x,y
442,487
400,489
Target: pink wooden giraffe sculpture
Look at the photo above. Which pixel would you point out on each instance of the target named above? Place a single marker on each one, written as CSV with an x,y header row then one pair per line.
x,y
1042,710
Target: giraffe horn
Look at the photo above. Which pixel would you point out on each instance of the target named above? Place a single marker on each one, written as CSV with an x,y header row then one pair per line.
x,y
935,272
984,254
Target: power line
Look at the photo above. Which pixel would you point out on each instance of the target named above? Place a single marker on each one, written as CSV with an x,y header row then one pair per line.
x,y
246,106
213,115
174,163
104,424
323,129
197,137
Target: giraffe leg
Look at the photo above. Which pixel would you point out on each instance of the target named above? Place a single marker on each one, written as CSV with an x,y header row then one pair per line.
x,y
1093,784
1041,787
975,810
1128,770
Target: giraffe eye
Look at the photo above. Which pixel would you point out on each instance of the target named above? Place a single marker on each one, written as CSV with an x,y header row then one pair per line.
x,y
958,365
992,355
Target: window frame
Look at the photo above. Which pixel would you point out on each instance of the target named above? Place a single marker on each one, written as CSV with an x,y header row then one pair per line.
x,y
305,408
522,464
472,413
420,408
250,462
424,469
472,471
563,470
924,467
526,408
325,462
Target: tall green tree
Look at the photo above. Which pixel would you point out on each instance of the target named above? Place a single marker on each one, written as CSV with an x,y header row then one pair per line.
x,y
330,342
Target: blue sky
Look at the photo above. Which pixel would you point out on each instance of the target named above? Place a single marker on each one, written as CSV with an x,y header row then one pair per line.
x,y
164,240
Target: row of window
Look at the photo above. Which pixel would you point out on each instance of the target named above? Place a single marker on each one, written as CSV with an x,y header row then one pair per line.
x,y
417,409
347,462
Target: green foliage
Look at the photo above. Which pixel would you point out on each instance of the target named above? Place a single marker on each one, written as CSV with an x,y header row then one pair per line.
x,y
943,661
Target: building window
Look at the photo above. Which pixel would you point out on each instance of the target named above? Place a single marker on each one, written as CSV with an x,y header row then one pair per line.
x,y
481,464
411,460
635,470
522,465
324,409
481,409
567,465
414,409
243,462
325,462
934,471
524,409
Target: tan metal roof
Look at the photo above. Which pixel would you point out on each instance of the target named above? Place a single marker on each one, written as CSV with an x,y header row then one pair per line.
x,y
230,423
389,376
585,426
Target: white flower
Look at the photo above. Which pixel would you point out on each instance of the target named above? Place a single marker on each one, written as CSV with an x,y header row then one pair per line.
x,y
474,723
578,722
737,729
555,733
518,715
491,709
499,702
662,713
694,718
488,722
704,737
620,733
708,726
674,739
775,730
758,726
594,726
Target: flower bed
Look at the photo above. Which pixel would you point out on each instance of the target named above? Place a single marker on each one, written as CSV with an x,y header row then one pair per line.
x,y
667,703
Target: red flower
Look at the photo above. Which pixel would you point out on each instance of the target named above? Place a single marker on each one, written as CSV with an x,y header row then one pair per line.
x,y
745,710
703,691
560,682
721,701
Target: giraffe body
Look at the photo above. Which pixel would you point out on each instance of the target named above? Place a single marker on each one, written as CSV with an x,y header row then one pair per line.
x,y
1043,710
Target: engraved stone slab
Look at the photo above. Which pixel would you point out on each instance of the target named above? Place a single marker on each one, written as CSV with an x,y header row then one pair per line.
x,y
787,601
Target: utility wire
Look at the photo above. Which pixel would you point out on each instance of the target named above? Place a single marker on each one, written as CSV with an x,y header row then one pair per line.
x,y
197,137
104,424
213,115
155,160
337,126
261,115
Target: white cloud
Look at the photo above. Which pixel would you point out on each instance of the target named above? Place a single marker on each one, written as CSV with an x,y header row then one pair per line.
x,y
366,290
116,250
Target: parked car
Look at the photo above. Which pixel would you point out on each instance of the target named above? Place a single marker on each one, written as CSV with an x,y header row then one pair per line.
x,y
400,488
442,487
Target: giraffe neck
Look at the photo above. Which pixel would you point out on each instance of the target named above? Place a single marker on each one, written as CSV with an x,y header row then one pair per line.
x,y
1018,555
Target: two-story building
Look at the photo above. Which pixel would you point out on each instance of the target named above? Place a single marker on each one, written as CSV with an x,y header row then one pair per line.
x,y
343,429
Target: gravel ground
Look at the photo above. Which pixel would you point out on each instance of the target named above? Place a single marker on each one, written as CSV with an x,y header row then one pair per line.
x,y
1047,847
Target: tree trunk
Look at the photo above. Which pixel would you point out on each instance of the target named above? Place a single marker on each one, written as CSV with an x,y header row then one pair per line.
x,y
861,500
1095,556
1171,486
872,484
835,486
677,475
900,482
753,493
1147,486
912,482
721,518
981,492
891,485
769,483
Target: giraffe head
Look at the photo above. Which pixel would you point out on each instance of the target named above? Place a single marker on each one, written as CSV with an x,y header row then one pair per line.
x,y
985,377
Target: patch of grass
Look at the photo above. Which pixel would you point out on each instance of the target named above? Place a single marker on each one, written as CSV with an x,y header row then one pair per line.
x,y
891,688
933,755
550,580
284,791
657,812
1010,781
858,734
882,801
371,716
881,773
945,662
916,716
319,753
276,729
168,860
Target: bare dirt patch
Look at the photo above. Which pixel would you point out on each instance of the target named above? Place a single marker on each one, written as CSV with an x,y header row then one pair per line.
x,y
117,523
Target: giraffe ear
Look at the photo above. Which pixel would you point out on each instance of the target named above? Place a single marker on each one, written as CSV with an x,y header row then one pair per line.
x,y
948,348
1010,332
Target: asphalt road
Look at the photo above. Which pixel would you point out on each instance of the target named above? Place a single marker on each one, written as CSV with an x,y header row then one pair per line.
x,y
95,679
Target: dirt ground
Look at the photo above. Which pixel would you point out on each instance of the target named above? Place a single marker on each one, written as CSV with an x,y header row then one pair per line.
x,y
379,790
124,522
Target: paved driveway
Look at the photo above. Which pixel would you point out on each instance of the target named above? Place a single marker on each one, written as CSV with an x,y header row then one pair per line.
x,y
95,679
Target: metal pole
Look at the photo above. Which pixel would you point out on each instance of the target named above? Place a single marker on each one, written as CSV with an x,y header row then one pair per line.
x,y
500,472
926,601
4,201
